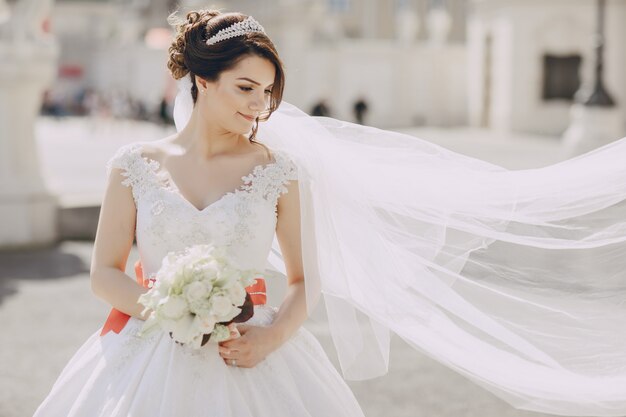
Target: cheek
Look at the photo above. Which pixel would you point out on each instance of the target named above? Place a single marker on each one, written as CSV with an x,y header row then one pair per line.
x,y
226,100
233,98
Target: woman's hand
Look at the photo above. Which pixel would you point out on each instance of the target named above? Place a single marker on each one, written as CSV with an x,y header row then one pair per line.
x,y
251,347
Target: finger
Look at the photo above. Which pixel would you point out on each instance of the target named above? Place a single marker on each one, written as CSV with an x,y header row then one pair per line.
x,y
231,337
234,332
227,351
232,344
232,355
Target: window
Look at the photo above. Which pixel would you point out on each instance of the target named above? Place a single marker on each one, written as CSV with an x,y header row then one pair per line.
x,y
561,78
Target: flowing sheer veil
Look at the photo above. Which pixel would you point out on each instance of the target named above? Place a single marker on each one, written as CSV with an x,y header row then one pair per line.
x,y
514,278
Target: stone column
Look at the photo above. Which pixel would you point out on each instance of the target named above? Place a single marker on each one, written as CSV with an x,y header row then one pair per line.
x,y
407,23
4,11
27,209
439,24
369,23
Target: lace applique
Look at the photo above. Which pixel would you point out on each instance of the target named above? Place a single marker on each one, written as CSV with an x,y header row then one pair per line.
x,y
269,181
157,207
264,182
234,217
242,229
136,168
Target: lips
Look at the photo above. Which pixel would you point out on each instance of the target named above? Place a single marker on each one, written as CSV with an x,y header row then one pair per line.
x,y
248,118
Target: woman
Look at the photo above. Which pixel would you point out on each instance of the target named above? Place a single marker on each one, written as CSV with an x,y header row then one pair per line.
x,y
211,182
513,278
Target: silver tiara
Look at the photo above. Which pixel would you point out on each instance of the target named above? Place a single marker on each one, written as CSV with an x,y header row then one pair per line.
x,y
249,25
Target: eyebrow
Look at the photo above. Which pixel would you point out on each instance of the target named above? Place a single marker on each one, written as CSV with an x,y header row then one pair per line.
x,y
252,81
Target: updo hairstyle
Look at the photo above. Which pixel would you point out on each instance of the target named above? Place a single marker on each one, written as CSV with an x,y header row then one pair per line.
x,y
189,54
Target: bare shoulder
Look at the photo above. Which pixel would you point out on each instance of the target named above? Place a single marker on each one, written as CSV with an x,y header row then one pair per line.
x,y
264,153
157,149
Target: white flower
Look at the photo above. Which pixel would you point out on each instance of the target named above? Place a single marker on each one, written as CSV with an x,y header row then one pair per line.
x,y
194,290
196,343
197,290
237,294
150,298
220,305
210,270
167,325
234,312
220,333
185,328
173,307
151,324
207,323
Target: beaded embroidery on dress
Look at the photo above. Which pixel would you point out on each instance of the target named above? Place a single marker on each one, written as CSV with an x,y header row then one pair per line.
x,y
122,374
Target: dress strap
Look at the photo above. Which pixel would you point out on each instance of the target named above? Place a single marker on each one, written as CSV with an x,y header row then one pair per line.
x,y
270,181
140,172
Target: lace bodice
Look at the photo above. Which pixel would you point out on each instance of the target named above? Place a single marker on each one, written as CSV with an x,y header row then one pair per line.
x,y
244,220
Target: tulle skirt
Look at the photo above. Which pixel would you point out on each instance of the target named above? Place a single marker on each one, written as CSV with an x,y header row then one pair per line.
x,y
123,375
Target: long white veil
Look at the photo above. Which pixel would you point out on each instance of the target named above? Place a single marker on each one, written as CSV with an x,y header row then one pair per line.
x,y
514,278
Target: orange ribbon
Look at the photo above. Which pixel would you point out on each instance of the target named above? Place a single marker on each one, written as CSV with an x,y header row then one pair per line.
x,y
117,320
257,292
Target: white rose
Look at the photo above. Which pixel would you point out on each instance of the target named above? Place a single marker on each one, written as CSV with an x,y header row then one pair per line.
x,y
220,305
237,294
167,325
185,329
234,312
197,290
201,307
196,343
149,299
173,307
207,323
162,287
210,270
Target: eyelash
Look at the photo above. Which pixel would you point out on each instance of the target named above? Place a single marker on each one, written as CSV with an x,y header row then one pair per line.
x,y
249,89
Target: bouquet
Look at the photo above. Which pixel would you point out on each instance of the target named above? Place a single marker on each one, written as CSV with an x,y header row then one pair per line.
x,y
197,293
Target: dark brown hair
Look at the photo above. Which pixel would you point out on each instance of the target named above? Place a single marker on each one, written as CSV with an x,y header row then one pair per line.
x,y
189,53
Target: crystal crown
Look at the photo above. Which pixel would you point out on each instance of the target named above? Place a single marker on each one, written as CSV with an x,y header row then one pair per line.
x,y
249,25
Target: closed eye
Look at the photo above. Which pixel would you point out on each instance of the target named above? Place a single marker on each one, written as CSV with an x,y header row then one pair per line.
x,y
250,89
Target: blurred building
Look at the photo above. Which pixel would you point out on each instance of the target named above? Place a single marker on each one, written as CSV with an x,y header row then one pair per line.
x,y
114,48
407,62
529,59
510,65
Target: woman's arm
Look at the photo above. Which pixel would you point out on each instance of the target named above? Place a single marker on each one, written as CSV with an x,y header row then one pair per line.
x,y
114,239
293,311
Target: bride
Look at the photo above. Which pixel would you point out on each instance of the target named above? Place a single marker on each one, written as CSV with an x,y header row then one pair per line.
x,y
210,182
515,279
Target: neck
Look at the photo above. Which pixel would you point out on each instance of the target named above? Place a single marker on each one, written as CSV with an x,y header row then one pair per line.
x,y
202,138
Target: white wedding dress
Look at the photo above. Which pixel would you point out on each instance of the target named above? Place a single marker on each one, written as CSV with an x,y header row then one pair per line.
x,y
122,375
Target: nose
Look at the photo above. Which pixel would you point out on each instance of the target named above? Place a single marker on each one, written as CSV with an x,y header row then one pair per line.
x,y
257,103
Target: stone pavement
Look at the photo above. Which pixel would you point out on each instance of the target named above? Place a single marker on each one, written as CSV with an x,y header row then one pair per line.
x,y
47,309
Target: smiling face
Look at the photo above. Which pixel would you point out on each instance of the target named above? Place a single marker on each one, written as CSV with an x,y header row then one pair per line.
x,y
239,96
